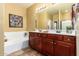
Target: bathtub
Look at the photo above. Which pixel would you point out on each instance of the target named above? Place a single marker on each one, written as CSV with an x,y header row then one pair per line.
x,y
15,41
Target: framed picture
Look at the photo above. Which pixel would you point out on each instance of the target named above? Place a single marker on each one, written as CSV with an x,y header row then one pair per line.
x,y
15,21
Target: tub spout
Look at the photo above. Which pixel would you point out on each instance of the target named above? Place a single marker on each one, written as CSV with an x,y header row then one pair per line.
x,y
5,40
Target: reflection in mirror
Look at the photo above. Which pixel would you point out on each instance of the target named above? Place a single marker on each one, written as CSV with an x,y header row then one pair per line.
x,y
67,25
54,18
57,17
66,19
49,24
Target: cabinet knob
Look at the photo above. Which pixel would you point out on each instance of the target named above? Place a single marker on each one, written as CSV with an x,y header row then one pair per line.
x,y
68,39
39,35
54,43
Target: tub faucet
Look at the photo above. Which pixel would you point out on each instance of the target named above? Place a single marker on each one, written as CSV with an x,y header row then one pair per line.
x,y
5,40
25,34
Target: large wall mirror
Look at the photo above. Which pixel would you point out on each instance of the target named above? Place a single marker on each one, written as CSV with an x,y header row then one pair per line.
x,y
58,17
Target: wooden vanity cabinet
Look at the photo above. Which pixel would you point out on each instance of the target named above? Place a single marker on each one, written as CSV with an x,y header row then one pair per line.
x,y
47,45
63,49
32,40
35,41
53,44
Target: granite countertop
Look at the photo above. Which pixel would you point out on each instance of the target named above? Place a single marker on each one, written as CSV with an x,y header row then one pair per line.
x,y
61,33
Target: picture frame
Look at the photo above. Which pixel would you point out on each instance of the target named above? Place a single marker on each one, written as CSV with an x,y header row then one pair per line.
x,y
15,21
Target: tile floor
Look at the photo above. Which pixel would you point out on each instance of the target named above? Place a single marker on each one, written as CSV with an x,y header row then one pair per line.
x,y
26,52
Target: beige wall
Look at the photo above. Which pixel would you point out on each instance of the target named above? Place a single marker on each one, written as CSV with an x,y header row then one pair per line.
x,y
1,30
17,10
66,15
43,20
63,16
30,17
56,16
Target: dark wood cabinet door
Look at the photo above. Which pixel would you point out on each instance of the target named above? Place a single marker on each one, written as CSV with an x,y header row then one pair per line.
x,y
63,49
35,41
47,47
32,42
38,44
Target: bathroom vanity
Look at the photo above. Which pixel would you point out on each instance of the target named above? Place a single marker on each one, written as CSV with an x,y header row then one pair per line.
x,y
52,44
62,41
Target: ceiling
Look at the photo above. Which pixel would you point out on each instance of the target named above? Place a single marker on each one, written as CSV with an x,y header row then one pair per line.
x,y
26,5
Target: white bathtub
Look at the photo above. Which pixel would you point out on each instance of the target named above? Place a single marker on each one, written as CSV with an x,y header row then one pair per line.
x,y
15,42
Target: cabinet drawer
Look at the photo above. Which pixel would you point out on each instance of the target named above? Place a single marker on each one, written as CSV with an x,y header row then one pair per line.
x,y
51,36
55,36
38,34
70,39
32,34
44,35
59,37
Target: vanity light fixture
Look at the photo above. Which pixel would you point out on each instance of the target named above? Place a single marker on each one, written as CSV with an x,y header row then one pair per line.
x,y
41,8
